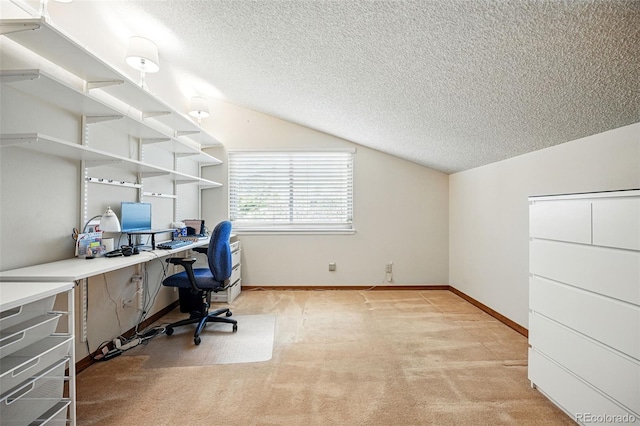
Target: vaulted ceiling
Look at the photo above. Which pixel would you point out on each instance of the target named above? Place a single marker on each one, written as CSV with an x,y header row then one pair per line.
x,y
451,84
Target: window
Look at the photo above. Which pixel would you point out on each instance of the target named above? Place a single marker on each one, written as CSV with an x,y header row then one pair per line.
x,y
291,191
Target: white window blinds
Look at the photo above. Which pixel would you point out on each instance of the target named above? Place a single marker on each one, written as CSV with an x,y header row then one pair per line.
x,y
291,190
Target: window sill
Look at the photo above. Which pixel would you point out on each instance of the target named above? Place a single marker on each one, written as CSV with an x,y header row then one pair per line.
x,y
294,232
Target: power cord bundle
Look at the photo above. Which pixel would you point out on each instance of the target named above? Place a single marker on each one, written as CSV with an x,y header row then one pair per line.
x,y
111,349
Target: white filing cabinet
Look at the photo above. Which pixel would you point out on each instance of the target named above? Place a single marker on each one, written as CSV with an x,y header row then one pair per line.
x,y
35,361
233,291
584,304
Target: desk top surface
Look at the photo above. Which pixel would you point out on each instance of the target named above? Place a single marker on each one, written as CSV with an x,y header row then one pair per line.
x,y
76,269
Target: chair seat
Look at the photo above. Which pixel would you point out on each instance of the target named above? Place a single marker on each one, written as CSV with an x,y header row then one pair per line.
x,y
203,276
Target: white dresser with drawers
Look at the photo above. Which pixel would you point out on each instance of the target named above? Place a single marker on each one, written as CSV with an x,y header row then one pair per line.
x,y
584,304
35,359
234,289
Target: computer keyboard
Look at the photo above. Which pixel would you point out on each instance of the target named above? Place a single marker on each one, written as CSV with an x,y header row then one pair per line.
x,y
169,245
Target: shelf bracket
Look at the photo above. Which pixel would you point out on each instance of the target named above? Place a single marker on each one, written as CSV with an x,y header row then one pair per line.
x,y
97,163
147,141
106,83
92,119
15,27
151,114
14,77
186,132
153,174
210,185
185,181
7,140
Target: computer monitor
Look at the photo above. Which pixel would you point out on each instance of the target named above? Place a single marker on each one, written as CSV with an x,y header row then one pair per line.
x,y
135,216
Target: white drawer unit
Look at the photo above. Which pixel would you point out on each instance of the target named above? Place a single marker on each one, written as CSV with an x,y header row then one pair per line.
x,y
35,359
584,304
233,291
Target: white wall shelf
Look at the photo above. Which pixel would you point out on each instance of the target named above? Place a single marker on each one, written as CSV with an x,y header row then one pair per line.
x,y
94,157
53,44
45,86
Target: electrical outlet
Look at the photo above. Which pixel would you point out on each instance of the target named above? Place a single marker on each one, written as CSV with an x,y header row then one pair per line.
x,y
332,266
389,267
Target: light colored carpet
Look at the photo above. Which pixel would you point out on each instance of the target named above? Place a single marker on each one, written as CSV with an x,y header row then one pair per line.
x,y
357,358
253,342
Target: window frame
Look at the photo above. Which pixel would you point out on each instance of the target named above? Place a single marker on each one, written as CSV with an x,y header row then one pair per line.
x,y
346,227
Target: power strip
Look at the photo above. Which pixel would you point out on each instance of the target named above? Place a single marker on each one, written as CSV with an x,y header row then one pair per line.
x,y
132,344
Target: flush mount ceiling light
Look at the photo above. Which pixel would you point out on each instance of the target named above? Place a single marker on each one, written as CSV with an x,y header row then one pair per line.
x,y
199,108
44,11
142,55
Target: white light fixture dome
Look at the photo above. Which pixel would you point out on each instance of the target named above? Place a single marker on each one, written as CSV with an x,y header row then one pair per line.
x,y
44,11
142,55
199,108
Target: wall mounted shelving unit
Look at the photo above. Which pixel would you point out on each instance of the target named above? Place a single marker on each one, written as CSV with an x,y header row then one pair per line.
x,y
102,95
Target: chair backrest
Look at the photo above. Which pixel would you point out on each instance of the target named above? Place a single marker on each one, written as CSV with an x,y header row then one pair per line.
x,y
219,252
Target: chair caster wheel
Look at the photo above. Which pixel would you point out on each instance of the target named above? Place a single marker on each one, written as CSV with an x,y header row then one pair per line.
x,y
168,331
235,327
197,340
229,313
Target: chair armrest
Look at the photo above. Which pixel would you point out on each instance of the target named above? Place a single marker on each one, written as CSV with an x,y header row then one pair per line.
x,y
202,250
182,261
187,264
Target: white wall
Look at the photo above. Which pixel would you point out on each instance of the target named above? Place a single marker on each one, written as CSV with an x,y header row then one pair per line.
x,y
401,214
488,246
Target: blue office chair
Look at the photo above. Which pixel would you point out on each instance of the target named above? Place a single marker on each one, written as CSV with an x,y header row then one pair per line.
x,y
196,285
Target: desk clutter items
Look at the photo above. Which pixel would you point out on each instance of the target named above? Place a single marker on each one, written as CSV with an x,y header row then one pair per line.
x,y
89,245
179,229
123,251
189,230
170,245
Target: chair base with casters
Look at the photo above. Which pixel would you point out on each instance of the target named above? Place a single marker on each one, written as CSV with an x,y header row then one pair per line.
x,y
201,316
197,284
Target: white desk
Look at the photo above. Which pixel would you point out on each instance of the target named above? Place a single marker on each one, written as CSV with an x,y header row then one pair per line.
x,y
77,269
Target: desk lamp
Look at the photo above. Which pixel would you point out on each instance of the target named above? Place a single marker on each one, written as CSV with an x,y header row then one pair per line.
x,y
108,222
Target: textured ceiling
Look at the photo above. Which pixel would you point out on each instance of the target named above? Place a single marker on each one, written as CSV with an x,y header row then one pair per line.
x,y
450,84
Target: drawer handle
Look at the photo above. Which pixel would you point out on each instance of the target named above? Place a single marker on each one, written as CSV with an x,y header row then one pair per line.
x,y
29,385
11,313
10,340
24,368
20,393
